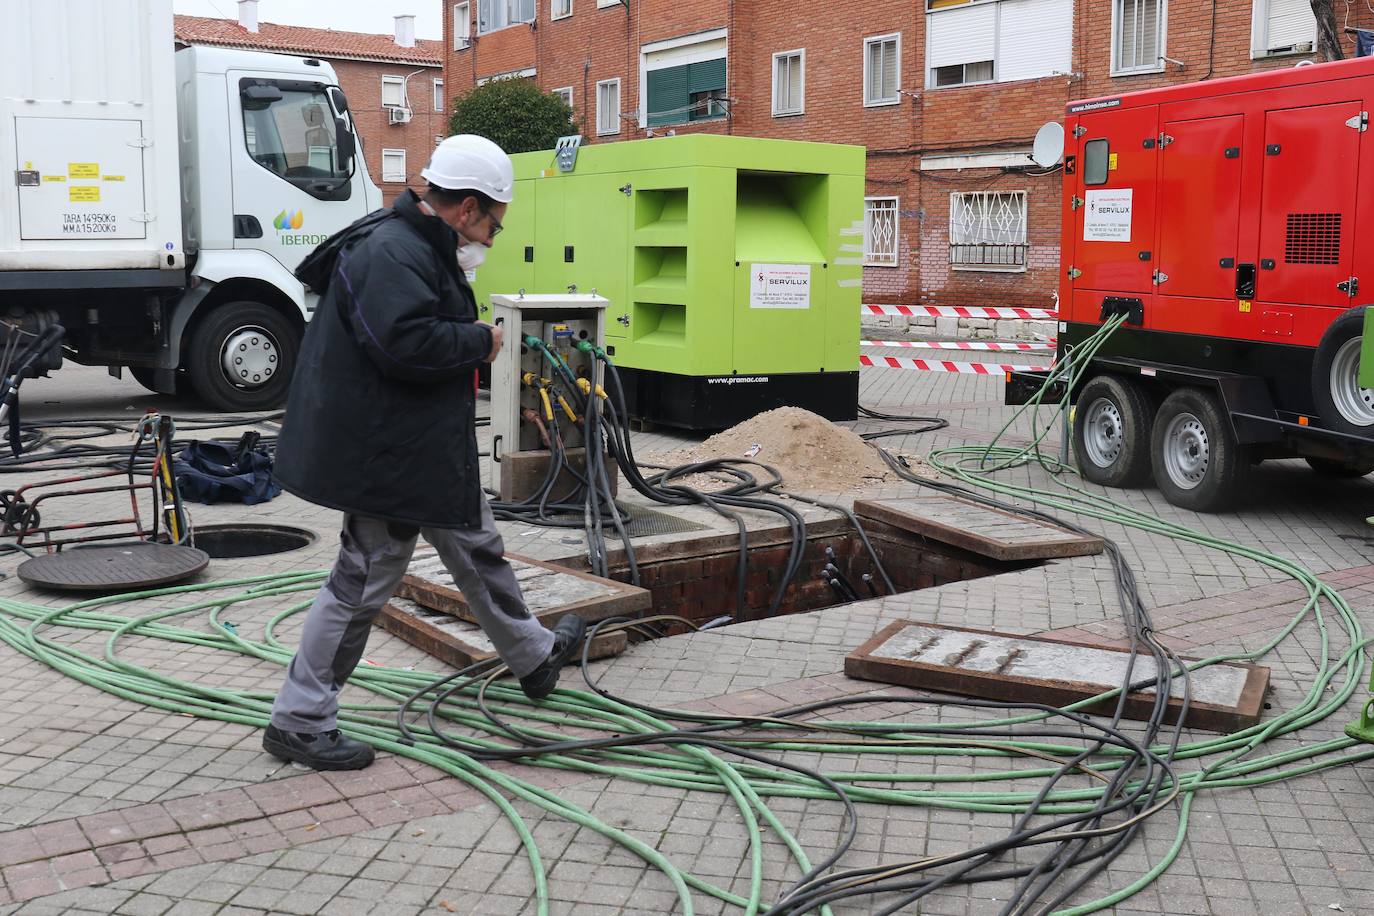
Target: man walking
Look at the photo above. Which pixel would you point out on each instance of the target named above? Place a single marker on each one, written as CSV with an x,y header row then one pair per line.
x,y
380,424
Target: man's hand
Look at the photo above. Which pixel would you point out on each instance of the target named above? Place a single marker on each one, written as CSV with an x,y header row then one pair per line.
x,y
496,336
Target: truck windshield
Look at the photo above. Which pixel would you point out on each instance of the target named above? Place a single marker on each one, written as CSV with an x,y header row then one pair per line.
x,y
295,137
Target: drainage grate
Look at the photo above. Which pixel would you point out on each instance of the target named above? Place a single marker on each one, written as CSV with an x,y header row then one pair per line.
x,y
647,522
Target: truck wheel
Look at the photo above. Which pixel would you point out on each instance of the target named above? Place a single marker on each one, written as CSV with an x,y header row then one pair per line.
x,y
1198,464
144,376
1327,467
1343,405
241,357
1111,432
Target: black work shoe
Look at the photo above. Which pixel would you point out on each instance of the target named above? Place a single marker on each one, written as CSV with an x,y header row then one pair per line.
x,y
567,639
329,751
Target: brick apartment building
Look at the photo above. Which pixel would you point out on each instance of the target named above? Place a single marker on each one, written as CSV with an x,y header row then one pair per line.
x,y
947,96
394,83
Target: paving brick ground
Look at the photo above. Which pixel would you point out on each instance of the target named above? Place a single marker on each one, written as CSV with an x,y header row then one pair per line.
x,y
106,806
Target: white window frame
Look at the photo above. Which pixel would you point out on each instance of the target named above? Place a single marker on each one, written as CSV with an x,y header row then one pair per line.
x,y
800,109
1259,34
567,93
868,43
526,74
438,87
553,9
390,176
614,114
604,4
873,257
400,83
686,49
933,84
955,204
508,24
462,26
1162,14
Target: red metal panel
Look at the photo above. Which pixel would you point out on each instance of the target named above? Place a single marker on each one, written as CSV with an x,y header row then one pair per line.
x,y
1115,267
1199,208
1307,203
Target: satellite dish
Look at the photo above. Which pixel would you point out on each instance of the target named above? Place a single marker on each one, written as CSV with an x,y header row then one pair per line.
x,y
1049,145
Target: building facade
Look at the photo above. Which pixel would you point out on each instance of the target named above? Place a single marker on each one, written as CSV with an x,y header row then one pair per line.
x,y
394,83
946,95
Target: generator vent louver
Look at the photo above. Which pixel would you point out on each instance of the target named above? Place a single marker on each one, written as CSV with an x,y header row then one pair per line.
x,y
1313,238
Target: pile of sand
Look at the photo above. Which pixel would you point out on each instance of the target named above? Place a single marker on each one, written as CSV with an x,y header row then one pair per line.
x,y
808,450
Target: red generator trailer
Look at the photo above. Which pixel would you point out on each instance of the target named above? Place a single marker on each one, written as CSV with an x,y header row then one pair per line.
x,y
1222,217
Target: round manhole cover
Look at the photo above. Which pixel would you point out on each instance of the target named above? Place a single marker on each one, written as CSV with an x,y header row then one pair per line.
x,y
230,541
113,568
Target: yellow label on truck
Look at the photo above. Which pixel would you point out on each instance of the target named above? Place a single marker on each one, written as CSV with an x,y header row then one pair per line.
x,y
83,169
114,177
54,177
84,193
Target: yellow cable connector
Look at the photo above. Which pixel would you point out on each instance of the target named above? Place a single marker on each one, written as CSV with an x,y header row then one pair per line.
x,y
567,409
548,406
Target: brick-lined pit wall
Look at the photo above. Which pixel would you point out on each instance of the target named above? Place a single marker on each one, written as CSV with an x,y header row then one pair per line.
x,y
704,587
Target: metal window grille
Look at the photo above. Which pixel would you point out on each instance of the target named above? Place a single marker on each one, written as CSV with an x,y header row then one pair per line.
x,y
880,231
1137,34
988,229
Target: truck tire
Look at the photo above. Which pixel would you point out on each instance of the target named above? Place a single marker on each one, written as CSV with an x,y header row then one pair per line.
x,y
1348,470
1198,464
1111,432
1341,403
241,357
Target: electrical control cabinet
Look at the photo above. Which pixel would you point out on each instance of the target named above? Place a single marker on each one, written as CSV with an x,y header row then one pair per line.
x,y
525,377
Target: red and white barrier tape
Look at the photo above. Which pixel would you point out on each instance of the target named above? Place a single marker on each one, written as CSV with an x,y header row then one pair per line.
x,y
960,311
941,365
956,345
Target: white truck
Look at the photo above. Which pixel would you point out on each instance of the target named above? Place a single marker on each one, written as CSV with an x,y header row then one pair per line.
x,y
154,202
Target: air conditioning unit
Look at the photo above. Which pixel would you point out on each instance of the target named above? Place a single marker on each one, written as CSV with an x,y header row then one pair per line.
x,y
398,115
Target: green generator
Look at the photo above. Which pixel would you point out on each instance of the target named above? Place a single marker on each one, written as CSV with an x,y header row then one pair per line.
x,y
733,267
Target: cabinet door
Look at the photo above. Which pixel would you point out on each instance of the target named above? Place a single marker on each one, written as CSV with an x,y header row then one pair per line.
x,y
1307,214
1118,158
1199,215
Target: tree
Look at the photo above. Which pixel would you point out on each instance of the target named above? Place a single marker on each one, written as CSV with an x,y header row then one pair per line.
x,y
515,114
1328,35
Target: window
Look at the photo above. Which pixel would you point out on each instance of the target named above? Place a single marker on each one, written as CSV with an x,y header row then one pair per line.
x,y
880,231
789,83
560,9
882,69
438,95
462,26
963,74
683,79
1282,27
985,42
608,107
497,14
565,94
1137,36
289,129
393,165
1096,162
393,92
602,4
987,230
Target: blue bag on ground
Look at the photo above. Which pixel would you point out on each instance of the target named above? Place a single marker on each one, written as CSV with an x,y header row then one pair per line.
x,y
217,471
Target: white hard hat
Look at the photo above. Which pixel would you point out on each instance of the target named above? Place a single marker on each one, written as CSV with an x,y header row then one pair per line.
x,y
467,162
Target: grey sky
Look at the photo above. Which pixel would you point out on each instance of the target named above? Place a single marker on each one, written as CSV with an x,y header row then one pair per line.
x,y
343,15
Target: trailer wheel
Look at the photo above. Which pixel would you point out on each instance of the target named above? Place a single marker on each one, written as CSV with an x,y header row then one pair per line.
x,y
1111,432
241,357
1198,464
1327,467
1343,405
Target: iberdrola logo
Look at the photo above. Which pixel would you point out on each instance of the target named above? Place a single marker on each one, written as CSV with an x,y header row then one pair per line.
x,y
288,222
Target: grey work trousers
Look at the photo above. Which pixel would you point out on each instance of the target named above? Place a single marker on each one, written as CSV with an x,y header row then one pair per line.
x,y
373,556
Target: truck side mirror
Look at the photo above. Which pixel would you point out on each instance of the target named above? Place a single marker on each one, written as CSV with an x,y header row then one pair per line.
x,y
347,146
339,100
259,97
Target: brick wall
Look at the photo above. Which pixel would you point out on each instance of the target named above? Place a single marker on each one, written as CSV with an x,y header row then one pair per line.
x,y
595,44
362,83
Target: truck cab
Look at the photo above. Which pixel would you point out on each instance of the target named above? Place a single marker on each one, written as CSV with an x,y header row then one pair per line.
x,y
162,198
